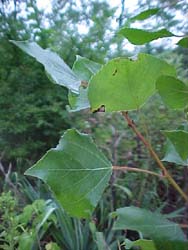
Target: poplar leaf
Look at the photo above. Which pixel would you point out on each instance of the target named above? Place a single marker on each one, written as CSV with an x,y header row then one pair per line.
x,y
144,14
55,67
125,84
76,171
140,37
164,233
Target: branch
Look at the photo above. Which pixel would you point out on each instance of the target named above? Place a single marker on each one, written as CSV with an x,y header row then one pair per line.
x,y
131,124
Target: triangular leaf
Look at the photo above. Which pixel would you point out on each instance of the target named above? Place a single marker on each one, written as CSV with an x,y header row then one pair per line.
x,y
140,37
76,171
144,14
179,139
124,84
173,92
183,42
57,69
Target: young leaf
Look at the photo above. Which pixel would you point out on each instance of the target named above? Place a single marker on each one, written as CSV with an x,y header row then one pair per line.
x,y
165,234
179,139
183,42
171,155
124,84
173,92
84,69
57,69
140,37
76,171
144,14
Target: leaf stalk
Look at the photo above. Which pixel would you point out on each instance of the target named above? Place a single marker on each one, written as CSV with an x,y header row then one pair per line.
x,y
127,168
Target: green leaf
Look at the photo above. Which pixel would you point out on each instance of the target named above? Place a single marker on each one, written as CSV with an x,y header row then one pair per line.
x,y
144,14
140,37
165,234
76,171
143,244
49,210
57,69
173,92
124,84
84,69
149,223
171,155
183,42
26,240
179,139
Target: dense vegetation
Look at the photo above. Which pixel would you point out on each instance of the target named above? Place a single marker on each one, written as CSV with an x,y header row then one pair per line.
x,y
118,194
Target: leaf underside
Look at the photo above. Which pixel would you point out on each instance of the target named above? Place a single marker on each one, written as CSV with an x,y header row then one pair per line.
x,y
55,67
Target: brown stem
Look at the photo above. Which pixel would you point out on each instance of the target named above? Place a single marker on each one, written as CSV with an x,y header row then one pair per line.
x,y
154,155
126,168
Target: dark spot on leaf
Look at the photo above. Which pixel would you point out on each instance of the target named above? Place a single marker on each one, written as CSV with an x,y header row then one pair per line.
x,y
115,72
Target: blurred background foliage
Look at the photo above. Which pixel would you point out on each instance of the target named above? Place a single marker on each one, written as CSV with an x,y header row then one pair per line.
x,y
33,113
